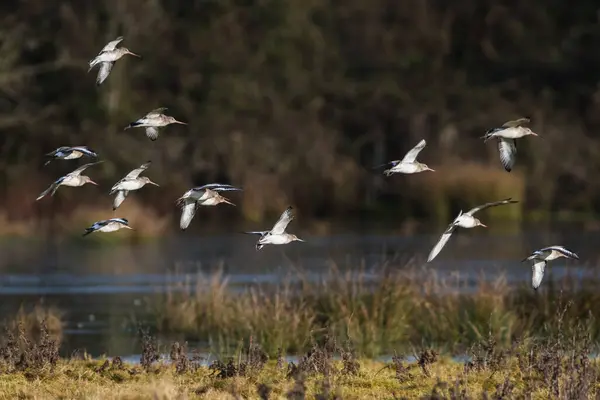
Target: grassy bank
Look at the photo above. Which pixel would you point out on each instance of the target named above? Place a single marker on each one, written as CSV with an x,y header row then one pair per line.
x,y
557,366
395,310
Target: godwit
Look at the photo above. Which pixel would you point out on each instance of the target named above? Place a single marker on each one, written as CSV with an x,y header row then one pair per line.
x,y
131,181
70,153
541,257
507,136
107,58
73,179
408,165
466,220
153,121
207,195
277,234
108,225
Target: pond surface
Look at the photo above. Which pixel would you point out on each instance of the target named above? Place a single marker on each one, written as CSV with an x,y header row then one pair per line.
x,y
100,285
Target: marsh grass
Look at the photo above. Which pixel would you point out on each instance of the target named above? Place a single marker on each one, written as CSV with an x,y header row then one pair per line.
x,y
395,310
557,365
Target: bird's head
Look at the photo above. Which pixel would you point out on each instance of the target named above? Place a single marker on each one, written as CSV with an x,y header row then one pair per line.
x,y
172,120
86,179
147,180
529,132
125,50
425,167
478,223
296,239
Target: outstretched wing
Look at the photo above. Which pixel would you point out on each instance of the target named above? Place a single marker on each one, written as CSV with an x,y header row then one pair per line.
x,y
136,172
104,71
112,45
441,242
411,156
79,170
152,132
515,123
493,204
260,233
188,210
508,152
157,111
537,269
122,221
119,198
217,187
283,222
85,150
561,249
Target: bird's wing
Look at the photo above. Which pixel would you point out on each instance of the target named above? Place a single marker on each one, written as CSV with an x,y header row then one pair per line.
x,y
442,242
217,187
492,204
411,156
188,210
561,249
122,221
119,198
112,45
51,189
59,150
537,269
286,217
392,163
79,170
508,152
152,132
515,123
104,71
157,111
261,233
85,150
136,172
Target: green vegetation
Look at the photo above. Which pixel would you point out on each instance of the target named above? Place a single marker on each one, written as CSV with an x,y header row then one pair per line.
x,y
395,310
556,366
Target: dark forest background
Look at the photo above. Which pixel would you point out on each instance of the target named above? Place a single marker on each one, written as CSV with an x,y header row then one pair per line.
x,y
297,100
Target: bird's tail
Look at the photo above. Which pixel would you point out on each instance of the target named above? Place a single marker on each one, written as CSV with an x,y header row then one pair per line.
x,y
388,172
132,125
88,231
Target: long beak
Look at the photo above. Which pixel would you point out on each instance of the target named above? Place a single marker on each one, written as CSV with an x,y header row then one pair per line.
x,y
534,134
153,183
429,169
93,183
128,227
227,201
300,240
179,122
480,224
133,54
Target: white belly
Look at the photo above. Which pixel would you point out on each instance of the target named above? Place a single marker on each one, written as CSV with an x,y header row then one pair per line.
x,y
511,133
466,221
73,155
213,201
405,168
274,239
130,185
73,181
110,227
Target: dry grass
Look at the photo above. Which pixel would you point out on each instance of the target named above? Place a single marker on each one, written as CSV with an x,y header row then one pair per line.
x,y
394,310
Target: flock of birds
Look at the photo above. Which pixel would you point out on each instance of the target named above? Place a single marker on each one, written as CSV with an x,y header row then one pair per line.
x,y
210,195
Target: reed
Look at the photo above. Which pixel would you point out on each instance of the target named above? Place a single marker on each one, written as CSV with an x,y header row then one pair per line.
x,y
395,310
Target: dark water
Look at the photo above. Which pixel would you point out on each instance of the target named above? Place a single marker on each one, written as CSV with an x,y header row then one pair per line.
x,y
101,285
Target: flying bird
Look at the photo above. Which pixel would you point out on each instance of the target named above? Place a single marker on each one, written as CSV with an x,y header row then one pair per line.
x,y
73,179
207,195
108,225
507,136
131,181
541,257
466,220
277,234
107,58
408,165
70,153
153,121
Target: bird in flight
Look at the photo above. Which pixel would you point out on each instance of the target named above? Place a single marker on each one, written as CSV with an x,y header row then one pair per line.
x,y
206,195
464,220
409,164
507,136
153,122
541,257
107,57
70,153
277,234
73,179
131,181
108,225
